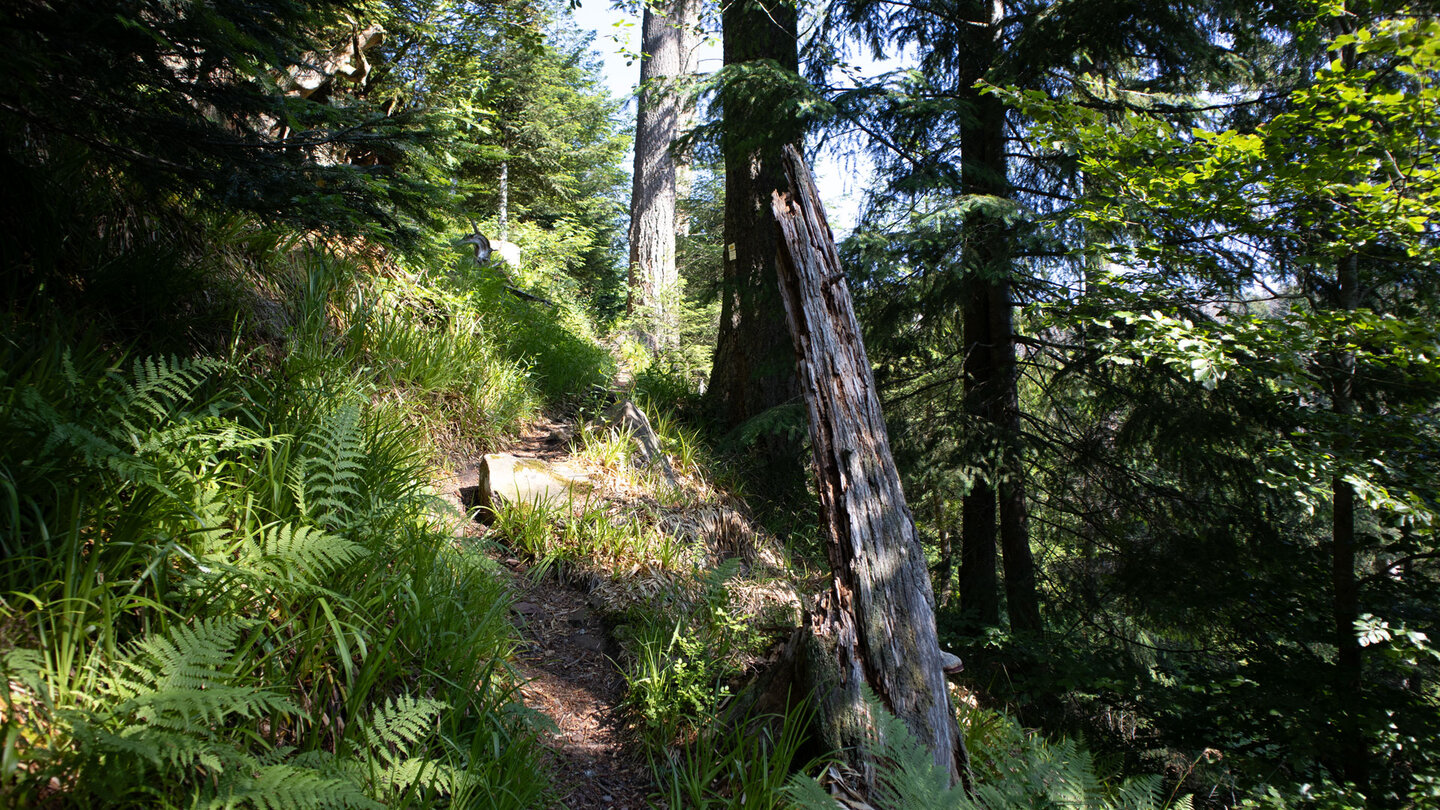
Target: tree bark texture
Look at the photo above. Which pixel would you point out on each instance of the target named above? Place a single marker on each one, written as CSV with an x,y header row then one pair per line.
x,y
753,368
1021,599
667,45
991,371
979,588
879,614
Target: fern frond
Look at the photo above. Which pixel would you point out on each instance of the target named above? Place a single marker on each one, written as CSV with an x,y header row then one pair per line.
x,y
159,385
807,794
400,723
331,466
170,750
910,777
290,787
1037,773
423,772
183,680
297,549
1140,793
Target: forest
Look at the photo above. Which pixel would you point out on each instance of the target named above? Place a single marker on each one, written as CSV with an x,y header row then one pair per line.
x,y
1096,467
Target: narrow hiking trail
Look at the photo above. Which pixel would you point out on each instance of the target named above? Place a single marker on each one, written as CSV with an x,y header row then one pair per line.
x,y
566,662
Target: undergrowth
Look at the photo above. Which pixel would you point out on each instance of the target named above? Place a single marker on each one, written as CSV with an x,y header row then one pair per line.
x,y
1013,769
227,580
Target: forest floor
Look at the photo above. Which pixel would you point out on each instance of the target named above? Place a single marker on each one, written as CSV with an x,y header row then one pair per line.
x,y
567,664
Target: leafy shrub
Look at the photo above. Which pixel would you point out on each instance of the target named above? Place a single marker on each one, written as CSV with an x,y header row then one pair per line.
x,y
555,343
746,765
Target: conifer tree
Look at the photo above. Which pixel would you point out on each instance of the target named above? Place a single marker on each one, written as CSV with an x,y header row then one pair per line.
x,y
668,43
1257,264
754,364
210,102
963,175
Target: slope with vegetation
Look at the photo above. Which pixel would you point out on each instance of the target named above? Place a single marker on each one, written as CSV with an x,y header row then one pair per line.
x,y
1152,319
236,347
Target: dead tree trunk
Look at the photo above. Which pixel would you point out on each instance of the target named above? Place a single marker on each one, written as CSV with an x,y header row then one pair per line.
x,y
876,624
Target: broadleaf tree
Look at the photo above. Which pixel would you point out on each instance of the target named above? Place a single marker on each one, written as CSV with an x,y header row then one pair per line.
x,y
1287,268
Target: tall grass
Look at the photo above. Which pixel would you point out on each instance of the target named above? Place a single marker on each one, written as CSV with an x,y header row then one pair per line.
x,y
228,586
555,343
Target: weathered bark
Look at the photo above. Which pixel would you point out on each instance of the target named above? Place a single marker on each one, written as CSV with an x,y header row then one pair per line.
x,y
876,625
753,367
653,273
684,174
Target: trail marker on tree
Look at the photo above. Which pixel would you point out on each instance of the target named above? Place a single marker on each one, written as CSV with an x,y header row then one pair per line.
x,y
876,624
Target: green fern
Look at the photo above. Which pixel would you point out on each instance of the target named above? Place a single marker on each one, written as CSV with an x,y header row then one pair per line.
x,y
166,721
164,709
397,730
1037,773
400,723
326,476
180,605
159,385
289,549
290,787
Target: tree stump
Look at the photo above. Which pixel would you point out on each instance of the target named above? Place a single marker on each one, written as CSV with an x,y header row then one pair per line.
x,y
876,623
627,416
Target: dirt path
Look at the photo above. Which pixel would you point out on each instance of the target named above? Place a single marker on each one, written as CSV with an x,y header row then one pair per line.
x,y
566,659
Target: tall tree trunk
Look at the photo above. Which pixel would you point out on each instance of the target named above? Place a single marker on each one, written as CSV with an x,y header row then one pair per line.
x,y
991,376
653,273
1021,600
753,367
979,588
503,223
689,69
878,618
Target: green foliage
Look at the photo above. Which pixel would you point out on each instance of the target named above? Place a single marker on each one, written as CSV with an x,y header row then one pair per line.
x,y
746,765
436,349
513,85
1015,770
587,536
194,103
1254,336
159,716
668,382
184,612
683,663
226,580
556,344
